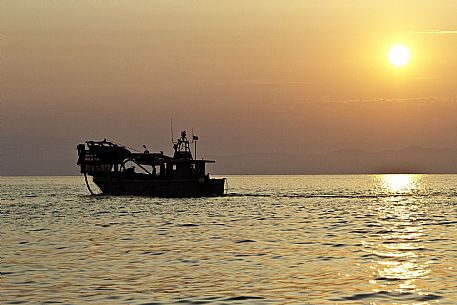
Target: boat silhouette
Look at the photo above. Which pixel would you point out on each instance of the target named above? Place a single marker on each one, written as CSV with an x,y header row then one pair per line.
x,y
113,169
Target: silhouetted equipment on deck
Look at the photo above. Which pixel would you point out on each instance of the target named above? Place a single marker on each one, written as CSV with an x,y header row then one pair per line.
x,y
113,168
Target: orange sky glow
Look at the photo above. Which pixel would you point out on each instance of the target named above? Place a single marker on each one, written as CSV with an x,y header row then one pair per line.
x,y
250,77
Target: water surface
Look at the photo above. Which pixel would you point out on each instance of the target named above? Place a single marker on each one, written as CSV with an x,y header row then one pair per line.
x,y
364,239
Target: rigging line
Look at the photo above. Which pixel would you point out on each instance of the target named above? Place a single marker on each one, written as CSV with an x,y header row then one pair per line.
x,y
136,162
122,145
87,183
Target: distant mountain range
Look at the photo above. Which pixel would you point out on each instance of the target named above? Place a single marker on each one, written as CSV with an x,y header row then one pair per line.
x,y
407,160
48,156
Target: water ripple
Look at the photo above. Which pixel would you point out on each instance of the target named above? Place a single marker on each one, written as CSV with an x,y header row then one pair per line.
x,y
282,240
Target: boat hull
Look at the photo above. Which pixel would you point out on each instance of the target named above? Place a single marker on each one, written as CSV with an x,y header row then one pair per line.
x,y
160,188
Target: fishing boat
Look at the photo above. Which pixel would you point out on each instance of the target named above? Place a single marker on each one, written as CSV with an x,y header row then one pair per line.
x,y
117,170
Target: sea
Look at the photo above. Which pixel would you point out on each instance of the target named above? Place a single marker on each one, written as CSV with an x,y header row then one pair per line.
x,y
318,239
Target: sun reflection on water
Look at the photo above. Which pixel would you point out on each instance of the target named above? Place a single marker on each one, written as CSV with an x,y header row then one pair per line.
x,y
400,183
400,264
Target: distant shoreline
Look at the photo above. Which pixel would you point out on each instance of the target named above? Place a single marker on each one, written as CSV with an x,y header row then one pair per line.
x,y
228,175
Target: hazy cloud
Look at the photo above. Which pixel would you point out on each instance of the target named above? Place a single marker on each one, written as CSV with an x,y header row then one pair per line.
x,y
424,77
439,32
428,99
272,82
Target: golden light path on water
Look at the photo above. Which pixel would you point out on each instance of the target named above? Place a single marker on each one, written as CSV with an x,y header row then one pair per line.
x,y
400,265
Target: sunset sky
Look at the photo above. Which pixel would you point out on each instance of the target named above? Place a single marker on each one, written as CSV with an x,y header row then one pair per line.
x,y
250,77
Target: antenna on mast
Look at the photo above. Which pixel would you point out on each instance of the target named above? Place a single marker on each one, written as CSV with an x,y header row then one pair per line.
x,y
171,129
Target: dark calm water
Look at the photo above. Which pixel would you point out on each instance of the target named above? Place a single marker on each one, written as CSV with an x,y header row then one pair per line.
x,y
362,239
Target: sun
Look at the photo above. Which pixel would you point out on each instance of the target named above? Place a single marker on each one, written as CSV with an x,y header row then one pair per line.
x,y
399,55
